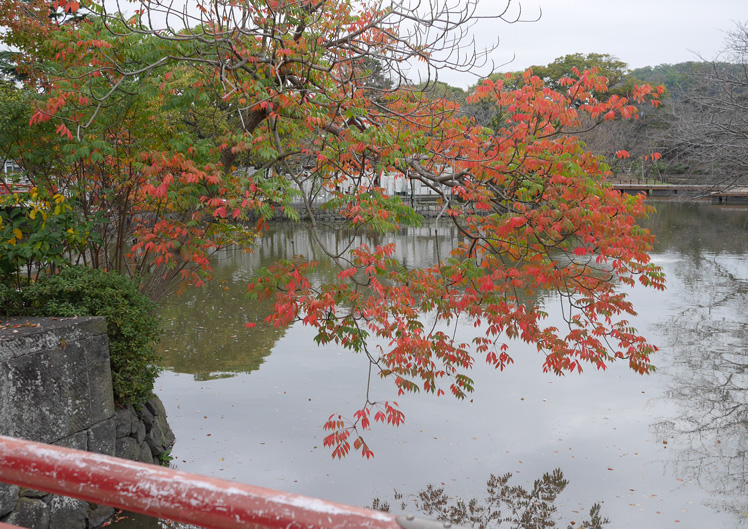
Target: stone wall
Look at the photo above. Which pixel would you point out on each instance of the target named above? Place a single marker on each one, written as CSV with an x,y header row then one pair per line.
x,y
142,433
56,387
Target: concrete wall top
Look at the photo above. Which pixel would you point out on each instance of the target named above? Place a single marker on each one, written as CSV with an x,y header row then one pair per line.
x,y
19,336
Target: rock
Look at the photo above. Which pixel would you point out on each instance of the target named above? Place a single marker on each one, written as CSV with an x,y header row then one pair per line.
x,y
31,513
157,439
123,421
101,396
146,417
8,498
146,455
169,433
99,514
127,448
134,421
156,407
77,441
148,434
160,436
102,437
67,513
32,493
140,432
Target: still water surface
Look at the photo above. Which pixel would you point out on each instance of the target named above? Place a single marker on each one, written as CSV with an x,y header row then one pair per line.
x,y
665,450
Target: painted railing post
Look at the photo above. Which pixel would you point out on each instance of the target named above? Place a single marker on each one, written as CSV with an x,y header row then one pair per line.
x,y
180,496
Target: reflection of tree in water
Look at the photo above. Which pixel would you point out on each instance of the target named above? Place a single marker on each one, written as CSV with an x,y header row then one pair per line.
x,y
709,372
204,330
696,228
505,505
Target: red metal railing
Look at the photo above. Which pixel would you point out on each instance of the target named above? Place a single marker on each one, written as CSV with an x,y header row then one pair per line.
x,y
176,495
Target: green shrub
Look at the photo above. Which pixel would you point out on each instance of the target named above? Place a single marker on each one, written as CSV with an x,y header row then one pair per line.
x,y
11,300
132,329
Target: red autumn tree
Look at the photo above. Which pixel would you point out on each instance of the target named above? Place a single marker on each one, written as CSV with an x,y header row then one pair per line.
x,y
316,97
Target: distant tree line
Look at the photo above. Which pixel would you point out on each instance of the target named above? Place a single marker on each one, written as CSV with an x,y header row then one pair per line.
x,y
698,135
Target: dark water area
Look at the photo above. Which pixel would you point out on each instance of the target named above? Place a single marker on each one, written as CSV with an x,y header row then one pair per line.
x,y
664,450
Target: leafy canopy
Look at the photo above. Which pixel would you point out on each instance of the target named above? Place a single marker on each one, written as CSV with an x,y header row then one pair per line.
x,y
158,127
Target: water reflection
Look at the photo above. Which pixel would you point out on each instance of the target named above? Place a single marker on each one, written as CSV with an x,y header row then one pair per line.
x,y
204,329
694,229
708,342
504,505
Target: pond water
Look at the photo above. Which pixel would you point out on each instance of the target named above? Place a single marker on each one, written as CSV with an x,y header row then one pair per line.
x,y
664,450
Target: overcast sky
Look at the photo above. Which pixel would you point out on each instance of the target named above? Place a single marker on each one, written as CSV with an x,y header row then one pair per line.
x,y
638,32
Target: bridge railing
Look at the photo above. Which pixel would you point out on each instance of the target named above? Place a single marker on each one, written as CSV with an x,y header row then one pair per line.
x,y
180,496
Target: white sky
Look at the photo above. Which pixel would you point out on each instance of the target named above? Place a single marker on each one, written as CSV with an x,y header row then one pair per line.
x,y
638,32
